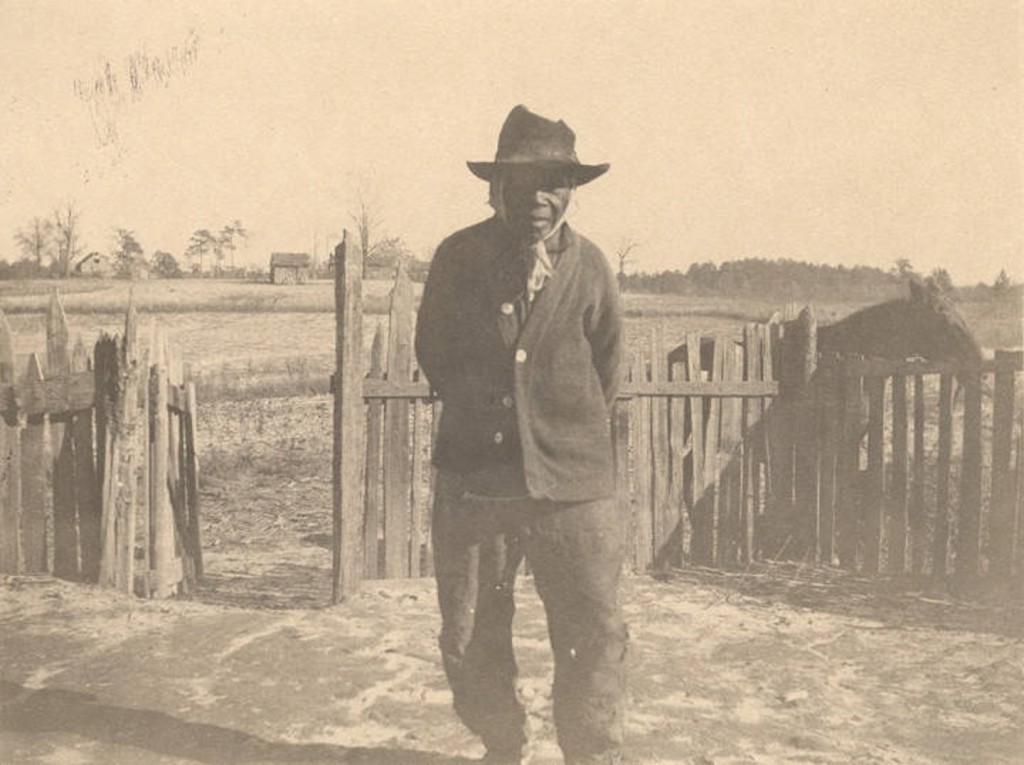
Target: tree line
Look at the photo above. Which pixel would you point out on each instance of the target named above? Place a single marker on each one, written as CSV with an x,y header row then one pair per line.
x,y
785,280
53,247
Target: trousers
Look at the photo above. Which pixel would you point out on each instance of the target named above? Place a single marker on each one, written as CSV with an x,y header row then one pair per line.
x,y
575,551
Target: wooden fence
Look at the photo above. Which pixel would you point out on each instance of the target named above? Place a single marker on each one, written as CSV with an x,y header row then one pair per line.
x,y
730,448
98,470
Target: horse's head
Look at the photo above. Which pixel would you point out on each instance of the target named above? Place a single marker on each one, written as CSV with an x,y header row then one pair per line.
x,y
938,331
926,325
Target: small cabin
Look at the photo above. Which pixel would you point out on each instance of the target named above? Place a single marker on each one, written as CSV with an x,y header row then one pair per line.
x,y
94,264
289,267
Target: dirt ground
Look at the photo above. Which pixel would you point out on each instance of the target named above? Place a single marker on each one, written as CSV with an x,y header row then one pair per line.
x,y
781,664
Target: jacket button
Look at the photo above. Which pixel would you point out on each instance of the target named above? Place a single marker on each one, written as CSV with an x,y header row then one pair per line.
x,y
499,437
520,355
507,402
507,309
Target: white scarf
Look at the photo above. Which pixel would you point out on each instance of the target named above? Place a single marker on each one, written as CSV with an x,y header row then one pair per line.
x,y
543,268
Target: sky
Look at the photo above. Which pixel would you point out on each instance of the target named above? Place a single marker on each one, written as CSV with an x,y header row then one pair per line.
x,y
852,132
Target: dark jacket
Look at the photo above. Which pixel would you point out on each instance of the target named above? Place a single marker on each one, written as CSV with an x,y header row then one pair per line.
x,y
539,396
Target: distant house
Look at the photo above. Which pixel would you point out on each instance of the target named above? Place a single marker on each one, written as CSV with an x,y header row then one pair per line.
x,y
289,267
94,264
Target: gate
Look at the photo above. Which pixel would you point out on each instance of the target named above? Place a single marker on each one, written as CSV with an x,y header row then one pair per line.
x,y
730,448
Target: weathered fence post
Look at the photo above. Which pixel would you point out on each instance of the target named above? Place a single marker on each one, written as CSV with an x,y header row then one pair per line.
x,y
161,512
795,418
663,519
701,550
10,462
397,552
896,533
848,504
65,527
968,537
349,421
191,467
940,544
374,487
1001,526
87,499
35,487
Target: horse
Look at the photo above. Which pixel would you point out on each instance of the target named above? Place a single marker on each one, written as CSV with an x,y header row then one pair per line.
x,y
924,325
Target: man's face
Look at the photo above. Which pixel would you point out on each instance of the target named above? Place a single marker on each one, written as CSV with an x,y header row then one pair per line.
x,y
535,199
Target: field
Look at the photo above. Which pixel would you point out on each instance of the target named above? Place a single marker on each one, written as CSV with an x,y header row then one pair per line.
x,y
777,664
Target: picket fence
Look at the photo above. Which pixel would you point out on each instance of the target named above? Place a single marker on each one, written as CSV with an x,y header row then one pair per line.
x,y
731,448
98,468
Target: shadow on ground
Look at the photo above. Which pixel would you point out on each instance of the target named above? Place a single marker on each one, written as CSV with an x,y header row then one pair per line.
x,y
895,601
60,711
280,586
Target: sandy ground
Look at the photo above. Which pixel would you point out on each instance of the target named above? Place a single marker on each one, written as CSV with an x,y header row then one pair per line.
x,y
768,668
776,665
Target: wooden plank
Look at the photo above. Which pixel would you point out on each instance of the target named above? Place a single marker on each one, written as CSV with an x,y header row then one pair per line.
x,y
874,491
161,510
940,543
915,508
896,532
644,476
723,389
59,395
766,473
968,538
729,505
348,463
387,389
701,551
87,497
397,467
661,517
678,450
35,490
65,522
848,458
751,428
1002,519
1017,490
126,495
10,465
374,486
436,407
830,409
416,498
620,425
143,513
65,526
712,466
888,367
192,478
107,369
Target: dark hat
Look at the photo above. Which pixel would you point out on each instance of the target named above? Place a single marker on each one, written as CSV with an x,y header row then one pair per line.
x,y
529,139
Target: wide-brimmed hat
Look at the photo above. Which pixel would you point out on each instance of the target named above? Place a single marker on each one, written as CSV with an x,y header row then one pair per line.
x,y
529,139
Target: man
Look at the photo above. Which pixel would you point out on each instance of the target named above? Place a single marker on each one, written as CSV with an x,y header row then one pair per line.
x,y
519,334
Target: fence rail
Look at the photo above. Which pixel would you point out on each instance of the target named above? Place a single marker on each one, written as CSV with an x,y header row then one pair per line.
x,y
98,472
729,448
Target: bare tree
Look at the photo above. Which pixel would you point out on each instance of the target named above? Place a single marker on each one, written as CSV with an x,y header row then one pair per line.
x,y
226,241
366,221
69,246
35,240
623,253
199,244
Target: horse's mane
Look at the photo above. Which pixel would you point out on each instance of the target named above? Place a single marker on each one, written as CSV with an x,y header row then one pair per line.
x,y
925,324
